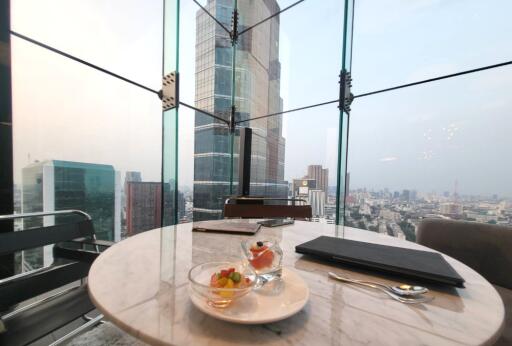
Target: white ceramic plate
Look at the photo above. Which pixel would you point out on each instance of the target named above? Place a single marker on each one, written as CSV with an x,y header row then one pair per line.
x,y
271,303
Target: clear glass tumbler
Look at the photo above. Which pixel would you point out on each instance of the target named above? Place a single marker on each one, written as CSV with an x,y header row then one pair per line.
x,y
264,256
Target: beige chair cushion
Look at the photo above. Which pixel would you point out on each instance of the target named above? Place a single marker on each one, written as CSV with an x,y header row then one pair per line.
x,y
483,247
506,337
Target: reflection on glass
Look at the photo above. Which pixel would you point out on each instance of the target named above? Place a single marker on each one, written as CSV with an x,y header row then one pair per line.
x,y
437,150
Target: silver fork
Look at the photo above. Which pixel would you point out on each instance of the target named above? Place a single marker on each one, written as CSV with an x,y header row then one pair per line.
x,y
382,288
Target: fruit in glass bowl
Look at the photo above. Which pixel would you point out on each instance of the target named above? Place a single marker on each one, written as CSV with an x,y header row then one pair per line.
x,y
264,256
221,283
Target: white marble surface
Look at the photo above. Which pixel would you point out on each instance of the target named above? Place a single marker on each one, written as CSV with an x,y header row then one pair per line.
x,y
140,284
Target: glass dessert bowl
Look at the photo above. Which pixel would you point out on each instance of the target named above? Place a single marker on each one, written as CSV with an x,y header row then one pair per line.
x,y
264,257
221,283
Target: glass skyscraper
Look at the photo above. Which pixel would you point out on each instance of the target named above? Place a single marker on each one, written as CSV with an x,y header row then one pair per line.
x,y
257,85
59,185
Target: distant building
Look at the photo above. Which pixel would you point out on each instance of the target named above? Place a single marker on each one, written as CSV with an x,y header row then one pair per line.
x,y
301,187
321,175
451,209
143,206
133,176
330,211
406,195
316,199
59,185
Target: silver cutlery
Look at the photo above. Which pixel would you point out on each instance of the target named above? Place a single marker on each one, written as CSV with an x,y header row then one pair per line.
x,y
406,299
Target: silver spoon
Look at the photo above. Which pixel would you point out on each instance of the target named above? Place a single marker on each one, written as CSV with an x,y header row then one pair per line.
x,y
384,288
403,290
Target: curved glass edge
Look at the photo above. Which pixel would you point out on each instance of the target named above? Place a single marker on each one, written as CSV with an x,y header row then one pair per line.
x,y
170,193
346,66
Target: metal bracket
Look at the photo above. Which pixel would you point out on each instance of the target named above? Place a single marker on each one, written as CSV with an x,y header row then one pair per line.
x,y
234,27
232,123
346,96
169,93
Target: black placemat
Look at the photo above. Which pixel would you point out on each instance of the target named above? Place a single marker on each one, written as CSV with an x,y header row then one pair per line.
x,y
424,265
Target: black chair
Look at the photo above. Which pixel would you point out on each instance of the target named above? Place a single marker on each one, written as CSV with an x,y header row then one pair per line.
x,y
485,248
36,303
256,208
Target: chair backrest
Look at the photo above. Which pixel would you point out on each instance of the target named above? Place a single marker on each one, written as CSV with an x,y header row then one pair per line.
x,y
485,248
267,211
35,237
27,285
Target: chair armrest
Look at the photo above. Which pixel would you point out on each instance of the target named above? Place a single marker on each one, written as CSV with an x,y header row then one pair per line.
x,y
79,255
88,241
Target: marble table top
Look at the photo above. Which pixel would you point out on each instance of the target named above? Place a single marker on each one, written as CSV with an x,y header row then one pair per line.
x,y
141,285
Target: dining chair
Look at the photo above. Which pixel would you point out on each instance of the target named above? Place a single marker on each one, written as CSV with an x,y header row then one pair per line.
x,y
484,247
39,301
266,207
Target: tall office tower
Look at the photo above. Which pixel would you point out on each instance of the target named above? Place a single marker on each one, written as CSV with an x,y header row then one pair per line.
x,y
321,175
256,90
59,185
143,206
316,199
406,195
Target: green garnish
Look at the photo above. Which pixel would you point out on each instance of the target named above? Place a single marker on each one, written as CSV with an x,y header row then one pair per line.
x,y
236,277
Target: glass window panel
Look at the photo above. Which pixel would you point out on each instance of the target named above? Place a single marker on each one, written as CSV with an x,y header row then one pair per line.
x,y
206,83
298,159
397,42
172,198
84,140
437,150
117,35
288,61
205,57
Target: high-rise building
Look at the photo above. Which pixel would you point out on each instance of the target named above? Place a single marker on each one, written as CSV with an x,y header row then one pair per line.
x,y
321,175
316,199
301,187
257,92
59,185
406,195
144,205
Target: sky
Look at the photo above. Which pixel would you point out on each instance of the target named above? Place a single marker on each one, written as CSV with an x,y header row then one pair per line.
x,y
424,138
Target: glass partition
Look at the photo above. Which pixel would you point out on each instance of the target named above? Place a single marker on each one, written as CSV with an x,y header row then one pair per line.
x,y
301,164
83,140
272,74
397,42
121,36
171,196
288,61
439,150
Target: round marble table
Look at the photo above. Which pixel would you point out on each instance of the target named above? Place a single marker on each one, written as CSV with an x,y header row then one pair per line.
x,y
140,284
